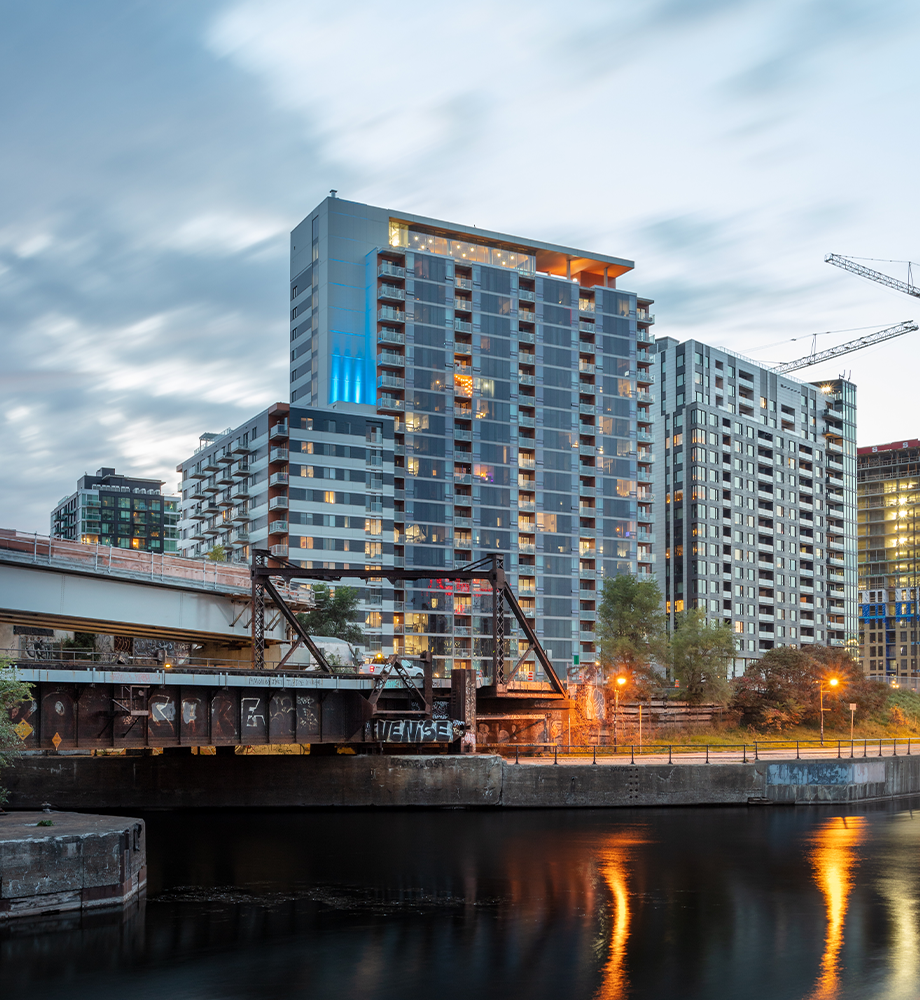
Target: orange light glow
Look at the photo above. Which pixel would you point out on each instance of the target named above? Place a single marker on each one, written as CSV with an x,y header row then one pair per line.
x,y
621,681
833,682
616,864
833,858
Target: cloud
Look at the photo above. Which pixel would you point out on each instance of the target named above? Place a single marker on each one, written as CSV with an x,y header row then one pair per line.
x,y
158,154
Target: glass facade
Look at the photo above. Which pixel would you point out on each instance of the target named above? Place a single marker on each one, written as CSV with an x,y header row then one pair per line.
x,y
522,409
889,562
758,481
120,511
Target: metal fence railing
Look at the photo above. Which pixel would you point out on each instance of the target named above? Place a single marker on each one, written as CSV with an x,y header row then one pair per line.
x,y
685,753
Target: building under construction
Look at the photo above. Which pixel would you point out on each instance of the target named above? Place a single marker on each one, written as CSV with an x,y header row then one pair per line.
x,y
888,492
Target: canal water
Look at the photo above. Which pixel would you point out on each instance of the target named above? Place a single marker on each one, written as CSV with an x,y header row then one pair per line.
x,y
683,904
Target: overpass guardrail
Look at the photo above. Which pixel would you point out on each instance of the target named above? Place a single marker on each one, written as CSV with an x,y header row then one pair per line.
x,y
42,550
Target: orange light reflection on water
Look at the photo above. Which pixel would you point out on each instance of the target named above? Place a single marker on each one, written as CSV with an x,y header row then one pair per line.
x,y
614,868
834,858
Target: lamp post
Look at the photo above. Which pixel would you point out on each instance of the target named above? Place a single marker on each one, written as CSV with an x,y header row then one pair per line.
x,y
831,682
620,682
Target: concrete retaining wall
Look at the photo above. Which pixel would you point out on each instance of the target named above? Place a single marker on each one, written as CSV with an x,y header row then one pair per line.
x,y
131,783
75,862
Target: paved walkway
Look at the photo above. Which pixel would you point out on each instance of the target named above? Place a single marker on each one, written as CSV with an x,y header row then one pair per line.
x,y
718,755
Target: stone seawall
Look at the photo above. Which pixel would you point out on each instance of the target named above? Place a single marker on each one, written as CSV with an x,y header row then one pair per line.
x,y
169,782
52,862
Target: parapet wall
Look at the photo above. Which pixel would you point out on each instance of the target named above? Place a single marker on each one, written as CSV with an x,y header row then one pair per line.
x,y
237,781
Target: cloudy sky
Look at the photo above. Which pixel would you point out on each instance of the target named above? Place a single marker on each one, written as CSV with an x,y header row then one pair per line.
x,y
156,155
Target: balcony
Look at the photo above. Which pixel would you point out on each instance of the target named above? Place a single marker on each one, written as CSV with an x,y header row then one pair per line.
x,y
279,551
463,522
391,314
462,326
390,336
587,449
463,305
527,317
526,295
242,470
390,382
644,397
240,492
388,269
390,403
464,283
586,408
278,455
524,379
527,548
241,517
526,337
278,503
525,420
644,316
526,505
278,431
586,367
392,292
526,462
585,327
390,359
278,479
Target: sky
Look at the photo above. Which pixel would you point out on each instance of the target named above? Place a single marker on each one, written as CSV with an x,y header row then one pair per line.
x,y
155,157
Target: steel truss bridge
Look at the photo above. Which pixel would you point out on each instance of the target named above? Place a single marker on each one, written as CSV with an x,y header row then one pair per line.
x,y
87,704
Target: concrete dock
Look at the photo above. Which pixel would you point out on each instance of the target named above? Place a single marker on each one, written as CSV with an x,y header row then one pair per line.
x,y
51,862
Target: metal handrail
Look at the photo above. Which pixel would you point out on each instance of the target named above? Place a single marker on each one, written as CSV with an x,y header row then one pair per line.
x,y
756,750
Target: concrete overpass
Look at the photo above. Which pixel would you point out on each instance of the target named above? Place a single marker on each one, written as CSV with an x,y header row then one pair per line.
x,y
50,583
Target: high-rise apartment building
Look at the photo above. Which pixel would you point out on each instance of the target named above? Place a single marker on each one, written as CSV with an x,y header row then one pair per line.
x,y
888,492
520,381
757,482
109,509
313,486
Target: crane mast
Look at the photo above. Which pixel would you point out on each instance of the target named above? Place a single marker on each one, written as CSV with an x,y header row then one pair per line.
x,y
853,345
868,272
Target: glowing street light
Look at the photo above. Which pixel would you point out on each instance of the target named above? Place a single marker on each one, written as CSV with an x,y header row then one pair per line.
x,y
620,683
831,682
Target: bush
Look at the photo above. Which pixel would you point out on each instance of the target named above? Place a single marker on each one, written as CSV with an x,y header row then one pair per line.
x,y
783,688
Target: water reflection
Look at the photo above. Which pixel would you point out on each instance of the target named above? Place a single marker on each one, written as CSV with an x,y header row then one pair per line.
x,y
614,865
897,887
585,905
834,858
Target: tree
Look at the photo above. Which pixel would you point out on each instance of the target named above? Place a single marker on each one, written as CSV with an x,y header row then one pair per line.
x,y
700,652
12,694
218,554
334,613
783,688
775,690
631,629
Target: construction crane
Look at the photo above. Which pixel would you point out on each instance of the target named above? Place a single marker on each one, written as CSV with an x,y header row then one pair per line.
x,y
867,272
852,345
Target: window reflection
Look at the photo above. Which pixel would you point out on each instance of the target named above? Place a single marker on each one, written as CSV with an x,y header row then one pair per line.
x,y
834,858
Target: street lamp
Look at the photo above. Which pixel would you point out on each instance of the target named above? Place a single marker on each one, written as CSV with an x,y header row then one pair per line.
x,y
620,682
831,682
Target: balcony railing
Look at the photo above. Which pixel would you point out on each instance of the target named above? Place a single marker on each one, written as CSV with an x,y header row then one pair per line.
x,y
386,291
278,455
392,314
278,503
390,336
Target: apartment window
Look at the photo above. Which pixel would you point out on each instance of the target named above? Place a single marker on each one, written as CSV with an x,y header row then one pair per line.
x,y
329,496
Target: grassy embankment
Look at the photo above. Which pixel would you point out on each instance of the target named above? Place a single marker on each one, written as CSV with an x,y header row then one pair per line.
x,y
898,717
